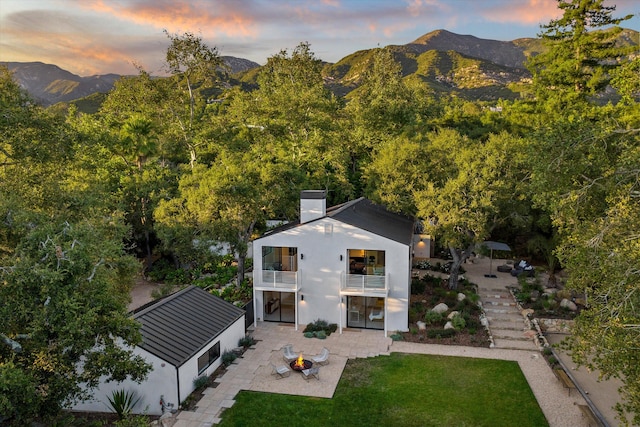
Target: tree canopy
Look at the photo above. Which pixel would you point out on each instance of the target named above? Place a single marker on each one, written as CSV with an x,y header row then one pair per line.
x,y
169,167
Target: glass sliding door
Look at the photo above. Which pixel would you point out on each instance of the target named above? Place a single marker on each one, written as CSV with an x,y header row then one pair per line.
x,y
279,307
365,312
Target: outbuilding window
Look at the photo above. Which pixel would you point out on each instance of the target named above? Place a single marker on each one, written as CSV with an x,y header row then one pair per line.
x,y
208,357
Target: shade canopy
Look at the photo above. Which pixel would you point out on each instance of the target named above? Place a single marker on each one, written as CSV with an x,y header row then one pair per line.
x,y
496,246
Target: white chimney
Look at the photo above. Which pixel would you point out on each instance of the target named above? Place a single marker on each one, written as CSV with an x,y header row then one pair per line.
x,y
313,205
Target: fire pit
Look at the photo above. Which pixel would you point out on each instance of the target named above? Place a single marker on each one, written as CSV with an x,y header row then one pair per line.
x,y
300,364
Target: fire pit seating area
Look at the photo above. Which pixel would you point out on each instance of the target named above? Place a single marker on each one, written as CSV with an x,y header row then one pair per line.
x,y
281,371
298,363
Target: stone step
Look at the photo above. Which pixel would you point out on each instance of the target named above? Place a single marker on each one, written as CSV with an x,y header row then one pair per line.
x,y
498,302
496,291
514,344
492,310
505,317
496,297
512,325
508,334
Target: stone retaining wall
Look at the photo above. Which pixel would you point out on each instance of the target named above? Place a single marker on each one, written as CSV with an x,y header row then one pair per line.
x,y
555,325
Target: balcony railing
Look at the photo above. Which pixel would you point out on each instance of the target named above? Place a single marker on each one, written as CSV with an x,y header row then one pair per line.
x,y
364,283
279,279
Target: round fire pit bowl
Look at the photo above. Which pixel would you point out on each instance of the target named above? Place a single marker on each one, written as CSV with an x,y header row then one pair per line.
x,y
306,364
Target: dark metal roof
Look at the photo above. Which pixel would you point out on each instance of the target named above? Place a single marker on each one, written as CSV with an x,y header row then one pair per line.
x,y
180,325
366,215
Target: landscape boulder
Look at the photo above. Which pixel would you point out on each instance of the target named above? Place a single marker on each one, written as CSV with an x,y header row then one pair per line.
x,y
565,303
441,308
527,312
449,325
421,325
461,296
452,314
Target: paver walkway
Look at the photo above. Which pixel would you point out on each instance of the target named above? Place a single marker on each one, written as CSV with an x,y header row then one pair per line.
x,y
507,326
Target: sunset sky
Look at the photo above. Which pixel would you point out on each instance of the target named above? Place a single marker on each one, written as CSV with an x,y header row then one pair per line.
x,y
90,37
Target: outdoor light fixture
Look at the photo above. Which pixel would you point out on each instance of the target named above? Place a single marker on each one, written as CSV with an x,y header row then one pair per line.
x,y
301,297
340,257
301,256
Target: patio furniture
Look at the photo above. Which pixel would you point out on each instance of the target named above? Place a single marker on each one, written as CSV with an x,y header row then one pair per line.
x,y
281,371
376,314
311,372
354,312
288,353
322,358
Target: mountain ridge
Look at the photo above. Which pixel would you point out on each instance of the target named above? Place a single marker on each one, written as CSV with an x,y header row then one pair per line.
x,y
472,67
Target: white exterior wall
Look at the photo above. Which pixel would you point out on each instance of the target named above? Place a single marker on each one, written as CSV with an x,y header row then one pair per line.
x,y
163,378
189,370
422,246
320,244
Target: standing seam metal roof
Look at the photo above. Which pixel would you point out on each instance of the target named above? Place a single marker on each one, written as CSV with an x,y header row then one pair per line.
x,y
177,327
366,215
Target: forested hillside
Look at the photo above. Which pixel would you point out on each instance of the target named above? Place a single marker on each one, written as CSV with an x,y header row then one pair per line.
x,y
166,167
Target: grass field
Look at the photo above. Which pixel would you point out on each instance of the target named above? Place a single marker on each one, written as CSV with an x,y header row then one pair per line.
x,y
404,390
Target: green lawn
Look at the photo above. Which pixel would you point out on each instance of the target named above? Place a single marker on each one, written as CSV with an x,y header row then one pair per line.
x,y
403,390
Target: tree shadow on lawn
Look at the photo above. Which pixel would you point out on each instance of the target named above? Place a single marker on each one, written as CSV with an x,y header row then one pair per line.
x,y
407,390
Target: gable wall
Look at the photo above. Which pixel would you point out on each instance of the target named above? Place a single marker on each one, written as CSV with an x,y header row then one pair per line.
x,y
228,341
162,380
320,244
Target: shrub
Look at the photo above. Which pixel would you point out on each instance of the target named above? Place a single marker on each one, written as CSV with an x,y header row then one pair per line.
x,y
441,333
418,286
122,402
458,322
321,325
322,335
246,341
178,277
133,421
396,337
228,357
201,381
423,265
309,334
432,317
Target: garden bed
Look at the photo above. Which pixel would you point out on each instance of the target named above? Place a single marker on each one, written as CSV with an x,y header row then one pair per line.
x,y
429,291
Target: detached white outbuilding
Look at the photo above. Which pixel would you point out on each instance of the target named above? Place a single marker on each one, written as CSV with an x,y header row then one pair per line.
x,y
184,336
348,264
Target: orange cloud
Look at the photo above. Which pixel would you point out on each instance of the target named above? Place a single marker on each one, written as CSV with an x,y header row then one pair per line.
x,y
176,16
530,12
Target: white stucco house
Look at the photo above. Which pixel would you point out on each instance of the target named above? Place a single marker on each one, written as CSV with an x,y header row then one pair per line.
x,y
348,264
184,336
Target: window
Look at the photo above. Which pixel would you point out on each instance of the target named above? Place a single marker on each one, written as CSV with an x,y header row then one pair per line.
x,y
208,357
279,258
370,262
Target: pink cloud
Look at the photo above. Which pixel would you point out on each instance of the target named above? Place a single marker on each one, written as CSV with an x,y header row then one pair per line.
x,y
176,16
526,13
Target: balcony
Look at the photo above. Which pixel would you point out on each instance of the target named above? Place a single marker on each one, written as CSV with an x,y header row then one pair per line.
x,y
365,284
275,280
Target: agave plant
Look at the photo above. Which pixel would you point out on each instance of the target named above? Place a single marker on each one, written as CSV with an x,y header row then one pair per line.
x,y
122,402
